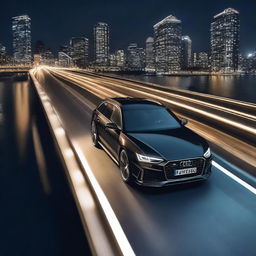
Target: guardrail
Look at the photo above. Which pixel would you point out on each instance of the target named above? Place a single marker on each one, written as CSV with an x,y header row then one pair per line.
x,y
104,232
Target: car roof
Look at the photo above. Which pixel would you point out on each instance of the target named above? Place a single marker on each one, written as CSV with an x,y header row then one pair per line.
x,y
130,100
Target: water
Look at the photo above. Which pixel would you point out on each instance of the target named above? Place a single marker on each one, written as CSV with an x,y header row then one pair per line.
x,y
236,87
38,214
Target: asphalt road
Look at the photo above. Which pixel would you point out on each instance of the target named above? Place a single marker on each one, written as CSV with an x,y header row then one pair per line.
x,y
213,218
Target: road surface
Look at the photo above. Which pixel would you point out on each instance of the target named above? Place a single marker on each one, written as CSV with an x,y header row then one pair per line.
x,y
212,218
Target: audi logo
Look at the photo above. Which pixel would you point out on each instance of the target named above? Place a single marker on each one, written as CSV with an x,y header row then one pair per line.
x,y
186,163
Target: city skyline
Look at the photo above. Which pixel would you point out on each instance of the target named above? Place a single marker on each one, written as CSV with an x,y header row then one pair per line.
x,y
170,48
82,25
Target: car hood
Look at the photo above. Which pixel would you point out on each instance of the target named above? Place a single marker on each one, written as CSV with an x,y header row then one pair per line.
x,y
173,144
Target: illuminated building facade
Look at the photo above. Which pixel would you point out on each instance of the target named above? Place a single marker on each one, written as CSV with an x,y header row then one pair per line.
x,y
101,44
203,60
186,52
2,54
120,59
80,51
150,55
135,57
112,60
64,60
21,31
167,37
225,33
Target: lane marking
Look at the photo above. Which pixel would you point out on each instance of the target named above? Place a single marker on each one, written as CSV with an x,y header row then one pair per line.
x,y
234,177
108,211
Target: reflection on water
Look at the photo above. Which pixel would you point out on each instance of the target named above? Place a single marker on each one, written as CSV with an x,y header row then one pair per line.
x,y
33,185
21,114
235,87
14,118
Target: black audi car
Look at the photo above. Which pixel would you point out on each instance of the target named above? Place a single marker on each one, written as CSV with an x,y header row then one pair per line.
x,y
149,143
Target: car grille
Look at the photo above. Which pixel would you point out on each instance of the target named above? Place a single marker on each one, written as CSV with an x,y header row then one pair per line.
x,y
171,166
150,175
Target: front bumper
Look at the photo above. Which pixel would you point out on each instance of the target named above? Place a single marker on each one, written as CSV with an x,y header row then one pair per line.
x,y
152,175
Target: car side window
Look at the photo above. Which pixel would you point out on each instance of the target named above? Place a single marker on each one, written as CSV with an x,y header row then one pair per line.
x,y
102,107
108,110
116,117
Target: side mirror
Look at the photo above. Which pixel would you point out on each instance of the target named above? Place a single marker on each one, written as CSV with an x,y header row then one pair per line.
x,y
183,121
111,126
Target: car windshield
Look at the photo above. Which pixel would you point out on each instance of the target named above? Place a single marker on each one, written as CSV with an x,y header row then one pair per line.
x,y
146,117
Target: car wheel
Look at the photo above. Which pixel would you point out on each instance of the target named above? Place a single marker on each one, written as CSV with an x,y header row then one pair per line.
x,y
125,167
94,133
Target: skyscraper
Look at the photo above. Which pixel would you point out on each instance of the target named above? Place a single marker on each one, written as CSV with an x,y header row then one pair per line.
x,y
21,30
135,57
101,44
186,52
167,36
225,33
80,51
150,55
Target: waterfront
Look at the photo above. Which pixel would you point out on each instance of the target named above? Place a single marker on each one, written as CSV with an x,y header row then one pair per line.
x,y
241,87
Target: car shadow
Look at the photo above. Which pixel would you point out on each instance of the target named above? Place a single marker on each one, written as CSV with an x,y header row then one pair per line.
x,y
170,188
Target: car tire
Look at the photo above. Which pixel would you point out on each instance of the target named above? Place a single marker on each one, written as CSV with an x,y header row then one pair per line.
x,y
124,166
94,134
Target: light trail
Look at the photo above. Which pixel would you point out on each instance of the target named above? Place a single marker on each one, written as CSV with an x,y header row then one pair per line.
x,y
185,98
91,88
215,97
234,177
182,105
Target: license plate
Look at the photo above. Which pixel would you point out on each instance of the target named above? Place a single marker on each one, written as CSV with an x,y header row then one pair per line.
x,y
185,171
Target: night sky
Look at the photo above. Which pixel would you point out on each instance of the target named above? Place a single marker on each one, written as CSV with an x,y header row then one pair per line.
x,y
55,21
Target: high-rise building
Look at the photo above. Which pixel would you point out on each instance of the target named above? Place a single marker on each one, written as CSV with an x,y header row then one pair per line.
x,y
64,60
250,63
21,30
66,48
186,52
135,57
112,60
225,33
80,51
120,58
167,37
195,60
203,60
101,44
150,55
48,57
2,54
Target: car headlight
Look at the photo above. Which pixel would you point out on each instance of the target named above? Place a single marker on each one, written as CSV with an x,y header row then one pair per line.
x,y
207,153
148,159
